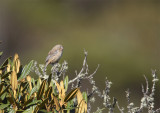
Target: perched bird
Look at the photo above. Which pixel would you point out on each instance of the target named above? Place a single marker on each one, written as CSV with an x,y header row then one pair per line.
x,y
54,55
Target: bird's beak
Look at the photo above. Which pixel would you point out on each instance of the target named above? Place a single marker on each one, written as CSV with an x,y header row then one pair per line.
x,y
61,48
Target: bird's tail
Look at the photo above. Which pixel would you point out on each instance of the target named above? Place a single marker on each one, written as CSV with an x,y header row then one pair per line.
x,y
45,67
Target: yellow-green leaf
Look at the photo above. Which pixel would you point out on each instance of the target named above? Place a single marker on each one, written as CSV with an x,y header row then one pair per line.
x,y
6,89
3,106
82,106
56,103
26,70
36,109
14,82
85,96
71,95
41,90
16,62
66,83
5,63
48,92
6,75
43,103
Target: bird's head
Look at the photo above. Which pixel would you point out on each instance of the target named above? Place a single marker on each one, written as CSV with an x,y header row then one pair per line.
x,y
60,47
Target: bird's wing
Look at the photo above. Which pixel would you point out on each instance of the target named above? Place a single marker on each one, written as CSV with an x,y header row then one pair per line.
x,y
51,55
52,51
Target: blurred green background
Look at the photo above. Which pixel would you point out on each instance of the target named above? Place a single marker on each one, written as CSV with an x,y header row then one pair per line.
x,y
122,36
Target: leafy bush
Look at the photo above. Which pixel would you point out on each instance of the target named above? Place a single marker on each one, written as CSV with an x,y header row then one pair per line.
x,y
21,93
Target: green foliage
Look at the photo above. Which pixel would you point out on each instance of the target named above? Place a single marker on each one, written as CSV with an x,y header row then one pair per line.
x,y
26,70
21,93
85,96
66,83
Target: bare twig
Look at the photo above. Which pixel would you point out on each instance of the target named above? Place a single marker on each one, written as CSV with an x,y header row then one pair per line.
x,y
142,89
93,72
81,74
147,85
120,109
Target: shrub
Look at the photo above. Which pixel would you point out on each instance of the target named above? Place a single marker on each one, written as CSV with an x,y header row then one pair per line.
x,y
21,93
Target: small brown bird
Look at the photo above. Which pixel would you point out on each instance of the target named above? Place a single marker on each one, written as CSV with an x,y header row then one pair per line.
x,y
54,55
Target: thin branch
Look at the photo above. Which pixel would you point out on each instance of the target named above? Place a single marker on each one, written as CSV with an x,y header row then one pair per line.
x,y
84,67
120,109
147,85
142,89
93,72
84,62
